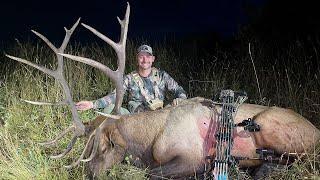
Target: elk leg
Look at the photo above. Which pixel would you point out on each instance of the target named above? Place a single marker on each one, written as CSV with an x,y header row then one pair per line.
x,y
174,162
177,151
177,168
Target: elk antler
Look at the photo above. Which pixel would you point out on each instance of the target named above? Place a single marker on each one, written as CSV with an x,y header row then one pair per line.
x,y
77,127
116,76
120,48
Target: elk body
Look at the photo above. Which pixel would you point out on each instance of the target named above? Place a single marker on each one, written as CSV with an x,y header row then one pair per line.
x,y
174,142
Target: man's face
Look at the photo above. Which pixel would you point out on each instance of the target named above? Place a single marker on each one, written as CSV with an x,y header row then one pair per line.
x,y
145,60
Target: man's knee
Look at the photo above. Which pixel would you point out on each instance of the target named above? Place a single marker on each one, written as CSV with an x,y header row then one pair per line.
x,y
140,108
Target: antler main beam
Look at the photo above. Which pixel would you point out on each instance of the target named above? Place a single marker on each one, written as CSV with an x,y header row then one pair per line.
x,y
120,48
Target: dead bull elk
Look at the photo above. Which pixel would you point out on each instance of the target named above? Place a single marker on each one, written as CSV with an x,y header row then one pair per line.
x,y
174,141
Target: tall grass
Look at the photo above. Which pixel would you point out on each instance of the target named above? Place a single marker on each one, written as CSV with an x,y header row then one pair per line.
x,y
289,80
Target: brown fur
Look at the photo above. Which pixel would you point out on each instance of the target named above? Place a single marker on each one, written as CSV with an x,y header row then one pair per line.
x,y
170,143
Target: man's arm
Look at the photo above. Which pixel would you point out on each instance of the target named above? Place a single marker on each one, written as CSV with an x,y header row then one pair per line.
x,y
105,101
102,102
174,87
111,97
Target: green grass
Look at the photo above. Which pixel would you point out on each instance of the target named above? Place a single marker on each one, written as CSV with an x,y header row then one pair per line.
x,y
288,80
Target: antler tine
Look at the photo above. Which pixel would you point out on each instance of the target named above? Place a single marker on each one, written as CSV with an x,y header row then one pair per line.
x,y
96,142
45,103
95,145
68,35
124,25
54,141
101,36
67,150
88,146
46,41
96,135
39,67
92,63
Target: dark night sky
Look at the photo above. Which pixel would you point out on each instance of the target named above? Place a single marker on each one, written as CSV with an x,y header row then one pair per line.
x,y
156,19
150,19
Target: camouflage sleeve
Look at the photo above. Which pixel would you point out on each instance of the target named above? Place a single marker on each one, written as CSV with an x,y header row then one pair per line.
x,y
173,86
111,97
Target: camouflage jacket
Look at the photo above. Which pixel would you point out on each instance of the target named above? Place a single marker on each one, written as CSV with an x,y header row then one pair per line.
x,y
165,83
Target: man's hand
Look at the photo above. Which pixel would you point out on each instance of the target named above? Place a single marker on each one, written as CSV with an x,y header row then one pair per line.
x,y
84,105
177,101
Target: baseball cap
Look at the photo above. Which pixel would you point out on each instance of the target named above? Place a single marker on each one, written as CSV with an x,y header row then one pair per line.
x,y
145,48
